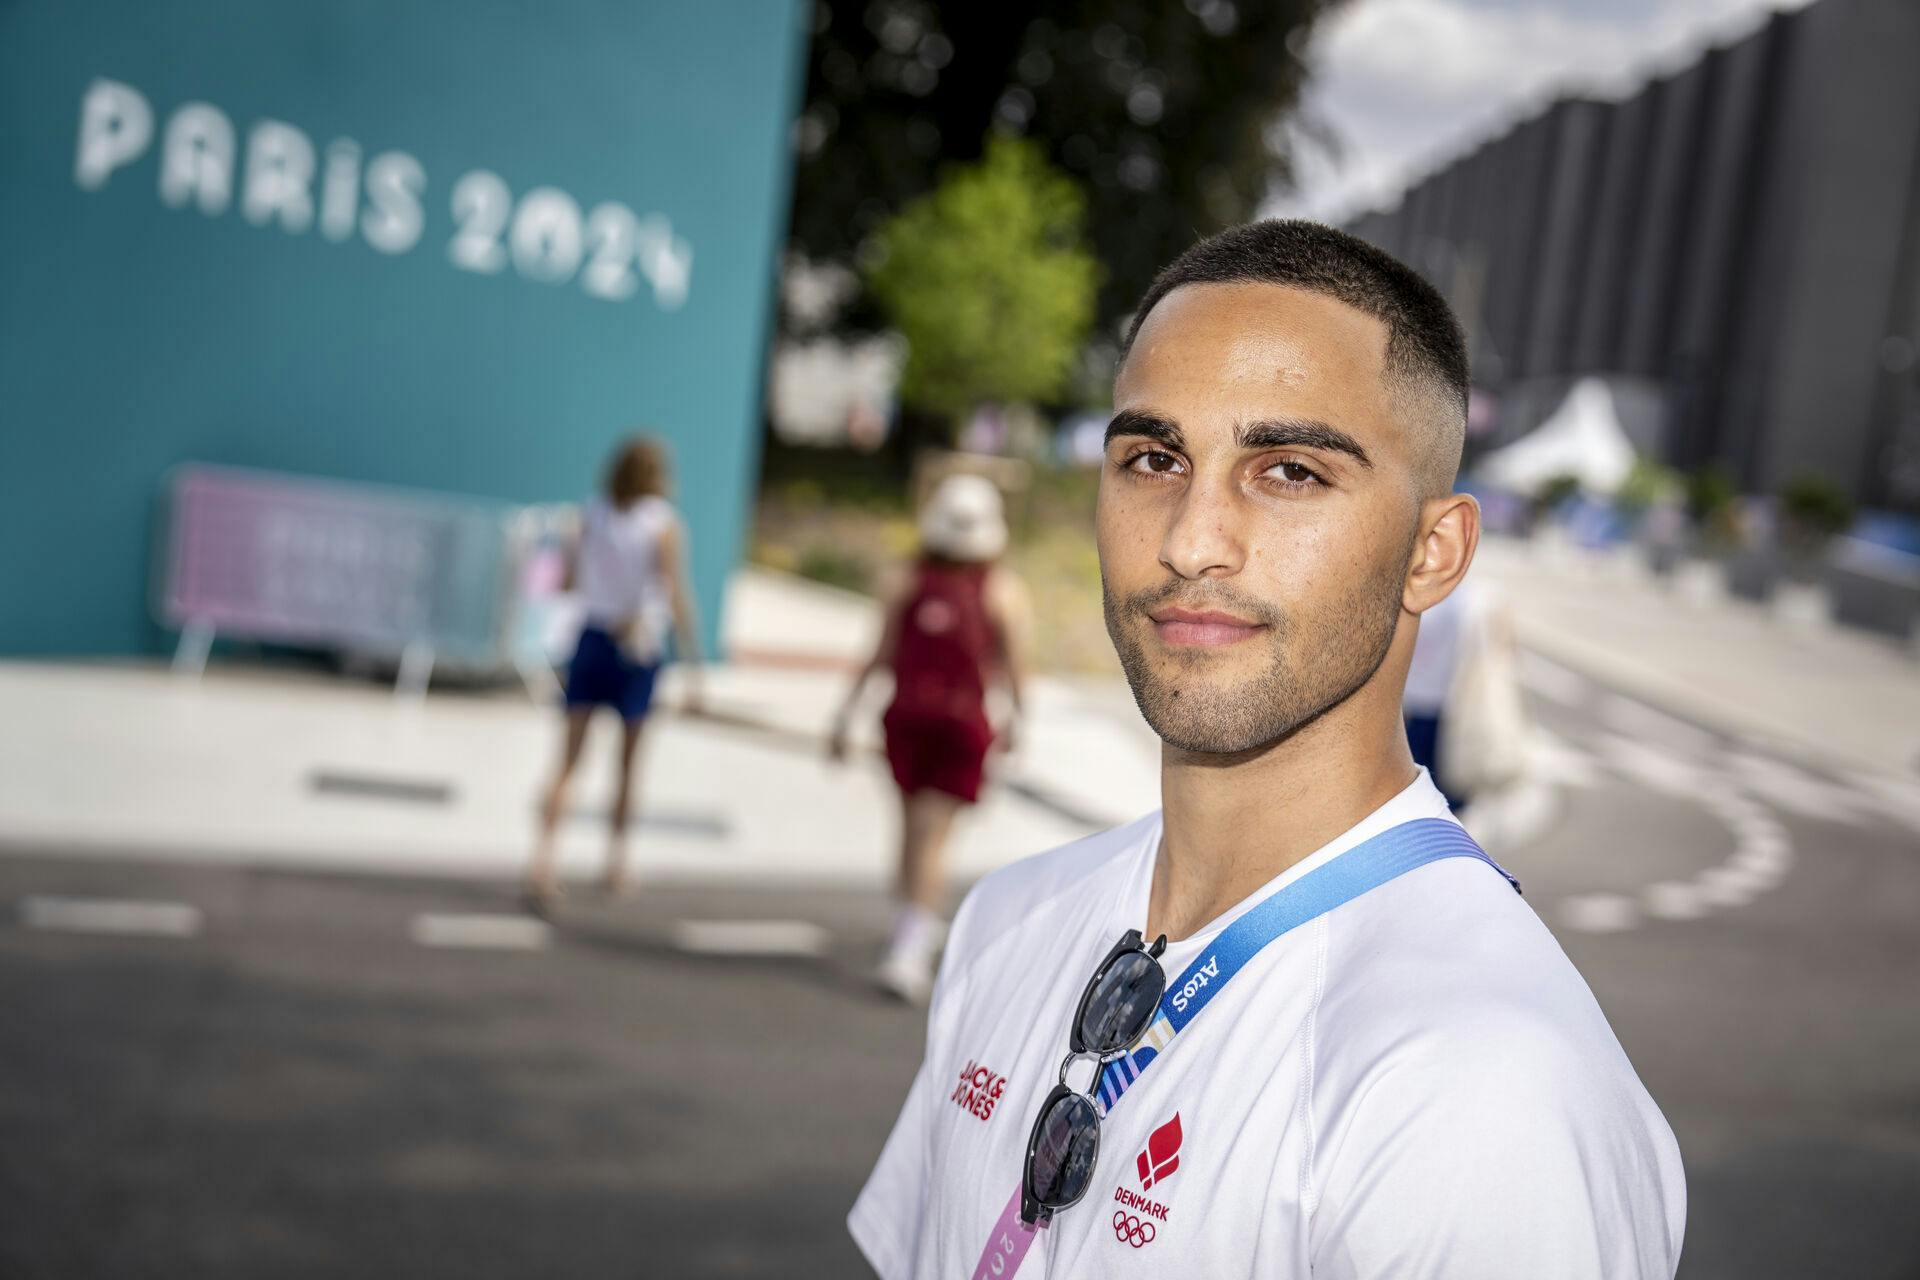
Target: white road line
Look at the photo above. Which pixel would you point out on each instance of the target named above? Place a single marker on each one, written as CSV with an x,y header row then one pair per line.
x,y
1795,790
1897,798
1762,852
480,932
1555,760
749,937
1638,720
1600,912
1553,681
1655,768
130,917
1673,901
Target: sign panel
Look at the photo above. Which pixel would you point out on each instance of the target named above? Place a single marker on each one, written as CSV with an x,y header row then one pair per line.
x,y
455,245
316,562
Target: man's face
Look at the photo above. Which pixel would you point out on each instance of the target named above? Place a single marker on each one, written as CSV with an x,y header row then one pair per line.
x,y
1257,512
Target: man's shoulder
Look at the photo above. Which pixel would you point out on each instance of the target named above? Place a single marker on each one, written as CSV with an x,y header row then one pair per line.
x,y
1452,977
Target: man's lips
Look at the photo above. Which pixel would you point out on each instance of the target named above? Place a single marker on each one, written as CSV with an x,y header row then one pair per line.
x,y
1201,627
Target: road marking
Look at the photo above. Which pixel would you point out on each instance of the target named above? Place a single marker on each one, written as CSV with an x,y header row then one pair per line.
x,y
1654,767
130,917
1671,900
480,932
749,937
1600,912
1898,798
1638,720
379,786
1762,853
1555,760
1795,790
1553,681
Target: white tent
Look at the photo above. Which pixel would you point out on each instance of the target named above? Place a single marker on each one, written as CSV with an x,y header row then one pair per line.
x,y
1583,438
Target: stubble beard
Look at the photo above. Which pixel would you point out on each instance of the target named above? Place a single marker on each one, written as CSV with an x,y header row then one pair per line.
x,y
1314,661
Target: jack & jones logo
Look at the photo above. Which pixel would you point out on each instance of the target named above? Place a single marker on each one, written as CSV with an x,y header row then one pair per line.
x,y
979,1090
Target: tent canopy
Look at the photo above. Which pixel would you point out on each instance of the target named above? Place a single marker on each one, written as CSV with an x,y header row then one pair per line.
x,y
1583,438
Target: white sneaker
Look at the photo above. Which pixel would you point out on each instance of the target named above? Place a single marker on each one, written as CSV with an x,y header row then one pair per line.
x,y
906,976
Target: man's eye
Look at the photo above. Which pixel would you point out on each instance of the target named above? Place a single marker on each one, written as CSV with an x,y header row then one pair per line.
x,y
1156,461
1294,473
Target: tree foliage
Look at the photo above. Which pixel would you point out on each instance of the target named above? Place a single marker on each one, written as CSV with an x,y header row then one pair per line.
x,y
987,279
1165,112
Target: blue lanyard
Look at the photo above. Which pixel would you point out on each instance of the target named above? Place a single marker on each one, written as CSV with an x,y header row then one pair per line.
x,y
1367,865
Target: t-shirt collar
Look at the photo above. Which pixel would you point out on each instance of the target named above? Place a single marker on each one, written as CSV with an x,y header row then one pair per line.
x,y
1418,799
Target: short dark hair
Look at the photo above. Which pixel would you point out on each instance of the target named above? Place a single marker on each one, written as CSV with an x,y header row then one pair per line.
x,y
1424,340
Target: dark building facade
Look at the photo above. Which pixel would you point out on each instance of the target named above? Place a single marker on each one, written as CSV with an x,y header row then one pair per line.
x,y
1736,247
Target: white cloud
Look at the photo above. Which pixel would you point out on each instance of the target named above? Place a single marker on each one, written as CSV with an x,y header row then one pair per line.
x,y
1403,85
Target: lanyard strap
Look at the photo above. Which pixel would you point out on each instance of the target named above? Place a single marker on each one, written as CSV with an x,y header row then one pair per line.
x,y
1367,865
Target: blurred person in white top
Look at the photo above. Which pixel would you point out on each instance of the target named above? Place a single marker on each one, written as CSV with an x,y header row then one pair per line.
x,y
1415,1084
1430,681
629,569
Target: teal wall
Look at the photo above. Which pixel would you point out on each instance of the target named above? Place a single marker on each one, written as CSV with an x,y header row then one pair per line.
x,y
135,335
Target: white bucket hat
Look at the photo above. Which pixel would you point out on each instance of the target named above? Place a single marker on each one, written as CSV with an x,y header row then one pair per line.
x,y
963,520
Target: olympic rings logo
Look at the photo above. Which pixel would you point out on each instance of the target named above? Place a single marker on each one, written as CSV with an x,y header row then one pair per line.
x,y
1131,1229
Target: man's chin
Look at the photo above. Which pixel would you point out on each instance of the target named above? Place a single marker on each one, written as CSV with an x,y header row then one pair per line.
x,y
1211,740
1213,717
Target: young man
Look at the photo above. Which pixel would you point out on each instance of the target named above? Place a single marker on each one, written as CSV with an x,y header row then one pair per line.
x,y
1411,1081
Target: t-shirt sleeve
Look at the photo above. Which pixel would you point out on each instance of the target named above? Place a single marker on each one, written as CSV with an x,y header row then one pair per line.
x,y
885,1221
1507,1154
891,1210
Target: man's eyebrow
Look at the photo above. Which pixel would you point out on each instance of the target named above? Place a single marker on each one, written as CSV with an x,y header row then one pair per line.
x,y
1304,432
1136,422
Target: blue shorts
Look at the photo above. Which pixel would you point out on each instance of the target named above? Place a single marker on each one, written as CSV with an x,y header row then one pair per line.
x,y
601,675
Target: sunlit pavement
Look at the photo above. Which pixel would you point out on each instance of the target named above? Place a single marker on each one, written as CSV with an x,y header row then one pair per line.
x,y
228,1072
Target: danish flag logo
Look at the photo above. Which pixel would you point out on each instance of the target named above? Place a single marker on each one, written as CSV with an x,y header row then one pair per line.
x,y
1162,1156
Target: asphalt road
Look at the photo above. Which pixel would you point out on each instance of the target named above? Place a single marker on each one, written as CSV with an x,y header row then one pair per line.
x,y
301,1086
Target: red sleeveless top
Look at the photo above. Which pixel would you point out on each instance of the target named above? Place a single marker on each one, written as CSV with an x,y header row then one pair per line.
x,y
945,647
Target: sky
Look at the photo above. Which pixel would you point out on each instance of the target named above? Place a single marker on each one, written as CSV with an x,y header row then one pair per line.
x,y
1403,86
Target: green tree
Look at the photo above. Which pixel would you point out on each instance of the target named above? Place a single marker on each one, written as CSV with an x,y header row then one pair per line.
x,y
988,280
1168,114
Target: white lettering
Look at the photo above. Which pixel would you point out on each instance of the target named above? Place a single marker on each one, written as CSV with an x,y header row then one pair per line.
x,y
116,124
665,260
546,236
481,203
1208,971
394,218
196,159
279,181
340,189
612,232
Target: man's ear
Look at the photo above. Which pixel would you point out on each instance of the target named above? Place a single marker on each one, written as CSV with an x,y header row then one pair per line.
x,y
1449,535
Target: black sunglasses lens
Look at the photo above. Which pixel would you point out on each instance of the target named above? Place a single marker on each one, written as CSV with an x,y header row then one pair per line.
x,y
1125,994
1064,1147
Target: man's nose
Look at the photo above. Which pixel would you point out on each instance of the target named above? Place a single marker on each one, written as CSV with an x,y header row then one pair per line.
x,y
1204,540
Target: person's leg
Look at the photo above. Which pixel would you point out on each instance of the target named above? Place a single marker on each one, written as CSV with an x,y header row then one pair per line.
x,y
615,879
541,885
923,862
926,819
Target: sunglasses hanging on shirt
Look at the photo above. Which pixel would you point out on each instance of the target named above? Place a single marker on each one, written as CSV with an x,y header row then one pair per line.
x,y
1114,1012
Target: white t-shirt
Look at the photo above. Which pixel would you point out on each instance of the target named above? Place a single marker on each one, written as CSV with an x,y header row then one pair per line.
x,y
1416,1084
618,573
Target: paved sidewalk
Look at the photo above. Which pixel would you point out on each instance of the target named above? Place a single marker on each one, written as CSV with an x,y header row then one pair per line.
x,y
1828,695
293,768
